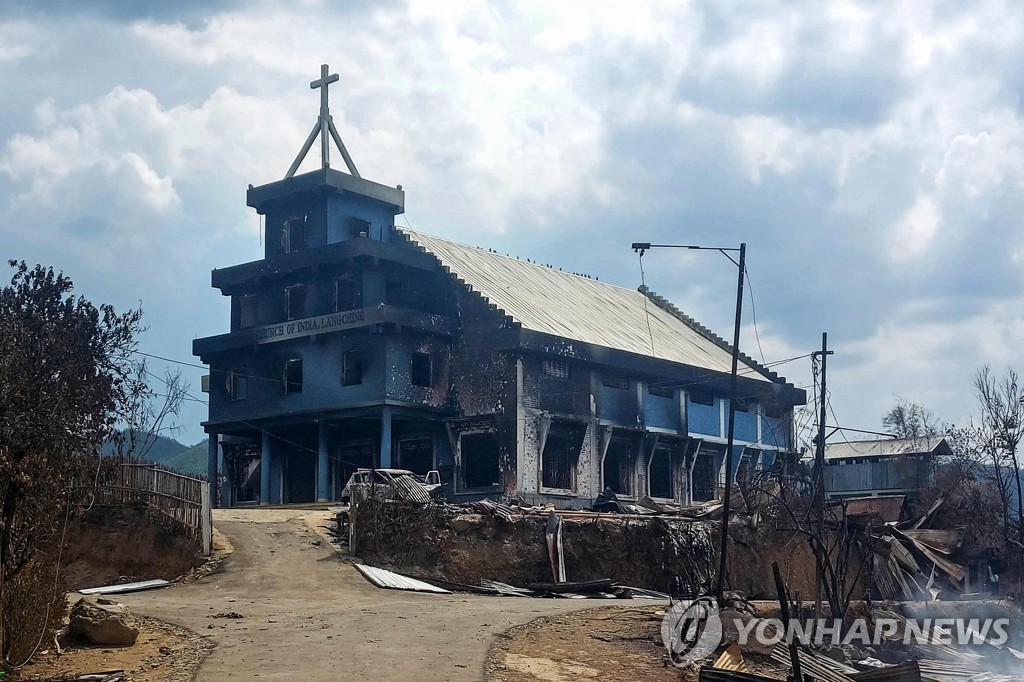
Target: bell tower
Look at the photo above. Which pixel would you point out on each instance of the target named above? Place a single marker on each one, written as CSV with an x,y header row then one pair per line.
x,y
324,206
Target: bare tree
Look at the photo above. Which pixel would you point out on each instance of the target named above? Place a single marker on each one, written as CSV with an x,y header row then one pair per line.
x,y
65,376
998,435
149,414
910,420
792,504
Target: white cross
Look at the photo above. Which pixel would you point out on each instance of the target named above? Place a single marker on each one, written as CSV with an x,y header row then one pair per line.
x,y
324,129
322,83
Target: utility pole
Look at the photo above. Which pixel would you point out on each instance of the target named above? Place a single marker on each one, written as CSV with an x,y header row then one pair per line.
x,y
641,247
724,543
819,475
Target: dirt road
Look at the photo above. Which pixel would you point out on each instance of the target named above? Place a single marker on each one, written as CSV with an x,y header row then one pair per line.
x,y
306,614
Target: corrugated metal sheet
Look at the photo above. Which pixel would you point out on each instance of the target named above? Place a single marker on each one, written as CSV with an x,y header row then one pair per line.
x,y
394,581
126,587
562,304
886,447
885,507
408,488
709,674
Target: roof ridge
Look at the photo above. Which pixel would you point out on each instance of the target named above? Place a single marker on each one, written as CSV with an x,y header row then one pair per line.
x,y
892,439
673,310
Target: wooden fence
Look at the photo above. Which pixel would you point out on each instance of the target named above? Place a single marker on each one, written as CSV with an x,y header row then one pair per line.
x,y
183,498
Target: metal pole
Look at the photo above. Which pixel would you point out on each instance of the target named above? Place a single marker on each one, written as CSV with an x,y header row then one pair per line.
x,y
819,478
719,592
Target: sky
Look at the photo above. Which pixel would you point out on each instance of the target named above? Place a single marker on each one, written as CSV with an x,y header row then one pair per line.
x,y
870,155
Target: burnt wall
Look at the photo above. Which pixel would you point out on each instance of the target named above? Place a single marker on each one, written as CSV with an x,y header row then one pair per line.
x,y
647,553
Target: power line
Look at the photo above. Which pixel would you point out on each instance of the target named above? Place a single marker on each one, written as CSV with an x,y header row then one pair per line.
x,y
753,313
176,362
259,429
699,379
647,312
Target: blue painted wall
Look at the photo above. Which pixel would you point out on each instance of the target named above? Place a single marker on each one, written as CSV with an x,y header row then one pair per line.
x,y
704,419
746,424
617,405
774,431
347,212
321,377
661,412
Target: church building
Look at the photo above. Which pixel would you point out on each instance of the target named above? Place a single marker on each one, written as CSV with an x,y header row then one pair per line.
x,y
358,343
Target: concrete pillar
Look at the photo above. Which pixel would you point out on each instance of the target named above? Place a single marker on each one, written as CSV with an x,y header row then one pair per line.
x,y
212,466
385,437
322,484
265,469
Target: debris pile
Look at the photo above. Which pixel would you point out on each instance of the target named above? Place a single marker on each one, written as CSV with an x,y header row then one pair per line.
x,y
912,559
894,643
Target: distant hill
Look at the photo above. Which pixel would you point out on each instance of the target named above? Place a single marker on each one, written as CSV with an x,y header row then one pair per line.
x,y
191,460
170,453
162,447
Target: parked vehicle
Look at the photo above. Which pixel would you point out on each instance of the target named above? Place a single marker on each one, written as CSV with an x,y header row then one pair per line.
x,y
393,484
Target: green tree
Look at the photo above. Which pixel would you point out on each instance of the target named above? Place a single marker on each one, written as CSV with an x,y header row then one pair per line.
x,y
66,375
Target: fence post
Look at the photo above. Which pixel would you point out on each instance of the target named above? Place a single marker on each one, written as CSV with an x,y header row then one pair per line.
x,y
207,518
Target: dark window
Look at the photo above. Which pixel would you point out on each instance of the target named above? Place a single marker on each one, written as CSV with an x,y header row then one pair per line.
x,y
295,301
775,409
661,391
615,381
348,294
704,475
742,405
479,460
659,479
356,227
421,372
618,471
701,396
556,368
394,293
416,454
293,376
246,311
293,235
237,384
561,456
351,368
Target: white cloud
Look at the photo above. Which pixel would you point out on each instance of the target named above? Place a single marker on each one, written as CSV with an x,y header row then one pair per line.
x,y
107,178
872,155
915,229
928,361
18,40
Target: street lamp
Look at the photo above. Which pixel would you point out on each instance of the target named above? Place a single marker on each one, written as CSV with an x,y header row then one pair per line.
x,y
641,247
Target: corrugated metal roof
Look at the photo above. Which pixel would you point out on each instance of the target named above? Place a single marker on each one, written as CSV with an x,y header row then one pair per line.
x,y
886,447
562,304
395,581
886,507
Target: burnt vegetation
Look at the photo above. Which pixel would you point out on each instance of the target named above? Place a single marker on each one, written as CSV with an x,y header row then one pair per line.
x,y
68,383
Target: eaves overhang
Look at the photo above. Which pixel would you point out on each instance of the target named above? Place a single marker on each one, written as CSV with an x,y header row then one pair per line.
x,y
353,249
331,323
320,180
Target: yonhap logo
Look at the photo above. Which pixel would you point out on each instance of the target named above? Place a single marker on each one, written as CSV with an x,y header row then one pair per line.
x,y
691,630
